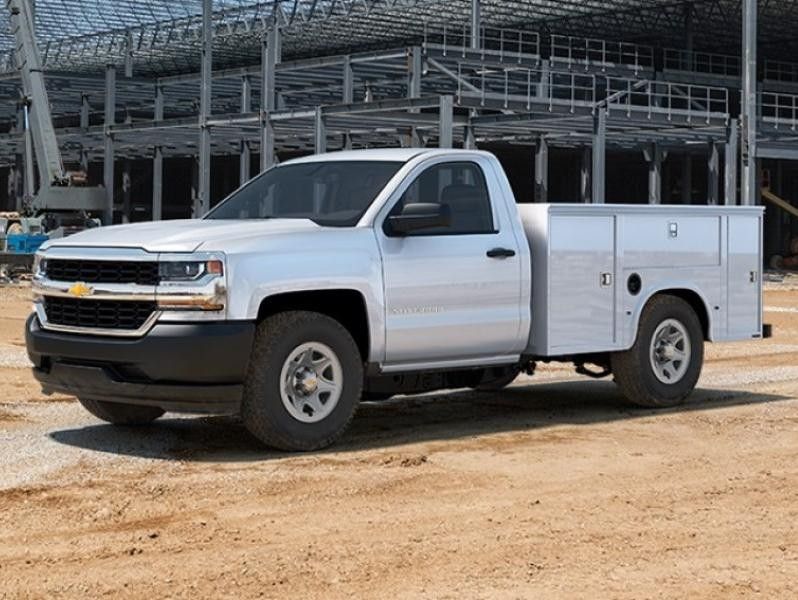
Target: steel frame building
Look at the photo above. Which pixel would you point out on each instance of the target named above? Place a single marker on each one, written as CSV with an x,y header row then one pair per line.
x,y
157,79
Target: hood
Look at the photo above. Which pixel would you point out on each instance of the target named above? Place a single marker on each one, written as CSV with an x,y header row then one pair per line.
x,y
186,235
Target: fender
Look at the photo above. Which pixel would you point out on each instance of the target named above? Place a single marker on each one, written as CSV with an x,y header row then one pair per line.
x,y
673,287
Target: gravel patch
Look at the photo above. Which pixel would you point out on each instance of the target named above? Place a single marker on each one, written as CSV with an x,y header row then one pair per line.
x,y
13,357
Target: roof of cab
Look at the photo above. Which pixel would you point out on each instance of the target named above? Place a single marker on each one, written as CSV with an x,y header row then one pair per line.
x,y
381,154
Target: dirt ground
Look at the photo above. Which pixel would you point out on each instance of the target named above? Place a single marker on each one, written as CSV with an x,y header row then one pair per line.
x,y
553,488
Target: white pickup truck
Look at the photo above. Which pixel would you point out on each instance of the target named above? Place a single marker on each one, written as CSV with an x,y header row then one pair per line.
x,y
360,275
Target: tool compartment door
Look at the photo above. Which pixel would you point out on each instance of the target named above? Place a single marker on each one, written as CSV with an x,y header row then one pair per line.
x,y
581,299
744,277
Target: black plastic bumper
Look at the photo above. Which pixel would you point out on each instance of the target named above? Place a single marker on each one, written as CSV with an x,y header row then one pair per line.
x,y
196,367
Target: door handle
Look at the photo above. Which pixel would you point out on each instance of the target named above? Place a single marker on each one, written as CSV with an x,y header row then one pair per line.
x,y
500,253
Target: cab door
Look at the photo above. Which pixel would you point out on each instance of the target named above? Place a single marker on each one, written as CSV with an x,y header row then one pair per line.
x,y
451,292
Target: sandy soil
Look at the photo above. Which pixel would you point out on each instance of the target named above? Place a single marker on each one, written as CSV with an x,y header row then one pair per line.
x,y
553,488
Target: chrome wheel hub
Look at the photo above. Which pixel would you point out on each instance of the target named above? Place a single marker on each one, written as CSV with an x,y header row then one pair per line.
x,y
311,382
670,351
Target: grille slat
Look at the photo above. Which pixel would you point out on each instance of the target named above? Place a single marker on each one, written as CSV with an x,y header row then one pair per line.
x,y
103,314
99,271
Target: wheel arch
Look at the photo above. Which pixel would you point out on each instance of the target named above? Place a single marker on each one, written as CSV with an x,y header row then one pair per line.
x,y
689,294
345,305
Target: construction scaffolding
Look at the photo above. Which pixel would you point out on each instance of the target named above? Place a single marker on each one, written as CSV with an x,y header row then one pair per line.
x,y
157,80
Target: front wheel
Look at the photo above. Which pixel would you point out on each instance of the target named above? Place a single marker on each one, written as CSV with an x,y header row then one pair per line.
x,y
303,383
662,367
118,413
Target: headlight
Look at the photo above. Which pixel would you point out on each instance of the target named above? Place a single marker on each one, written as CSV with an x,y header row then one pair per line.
x,y
189,270
39,264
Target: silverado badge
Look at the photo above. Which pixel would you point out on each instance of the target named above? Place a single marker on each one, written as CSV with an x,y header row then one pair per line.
x,y
80,289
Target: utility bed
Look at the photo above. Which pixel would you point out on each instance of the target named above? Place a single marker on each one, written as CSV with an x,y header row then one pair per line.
x,y
594,266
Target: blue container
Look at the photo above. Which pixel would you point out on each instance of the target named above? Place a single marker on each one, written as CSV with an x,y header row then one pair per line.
x,y
24,243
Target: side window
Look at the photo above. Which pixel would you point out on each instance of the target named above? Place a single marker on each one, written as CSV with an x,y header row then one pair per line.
x,y
462,186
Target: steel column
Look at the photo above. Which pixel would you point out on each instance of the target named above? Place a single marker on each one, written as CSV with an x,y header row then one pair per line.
x,y
653,156
445,122
730,164
157,161
541,170
584,175
748,192
476,23
270,50
244,160
108,154
598,172
713,174
203,203
320,133
348,82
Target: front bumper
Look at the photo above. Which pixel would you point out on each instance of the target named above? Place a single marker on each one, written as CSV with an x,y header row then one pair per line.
x,y
182,367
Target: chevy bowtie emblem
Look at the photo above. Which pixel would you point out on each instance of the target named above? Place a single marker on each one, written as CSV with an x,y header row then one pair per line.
x,y
80,289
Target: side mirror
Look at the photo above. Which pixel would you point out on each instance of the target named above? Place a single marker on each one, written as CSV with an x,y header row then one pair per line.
x,y
420,216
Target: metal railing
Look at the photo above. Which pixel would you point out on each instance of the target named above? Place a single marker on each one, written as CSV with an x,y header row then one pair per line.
x,y
701,62
784,72
779,110
647,98
504,45
591,53
521,87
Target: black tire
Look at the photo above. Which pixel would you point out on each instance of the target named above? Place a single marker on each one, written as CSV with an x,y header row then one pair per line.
x,y
376,396
498,378
634,370
263,411
121,414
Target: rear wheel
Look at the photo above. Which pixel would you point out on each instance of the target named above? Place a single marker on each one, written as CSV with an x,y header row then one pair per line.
x,y
663,365
304,381
121,414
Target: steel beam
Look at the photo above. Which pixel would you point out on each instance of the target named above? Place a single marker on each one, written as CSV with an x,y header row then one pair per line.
x,y
157,160
653,156
244,160
445,122
584,175
203,203
319,132
476,23
749,192
730,164
108,154
541,170
598,172
269,53
348,82
713,174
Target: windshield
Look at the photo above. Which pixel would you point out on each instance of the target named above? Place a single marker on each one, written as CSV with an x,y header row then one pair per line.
x,y
334,193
